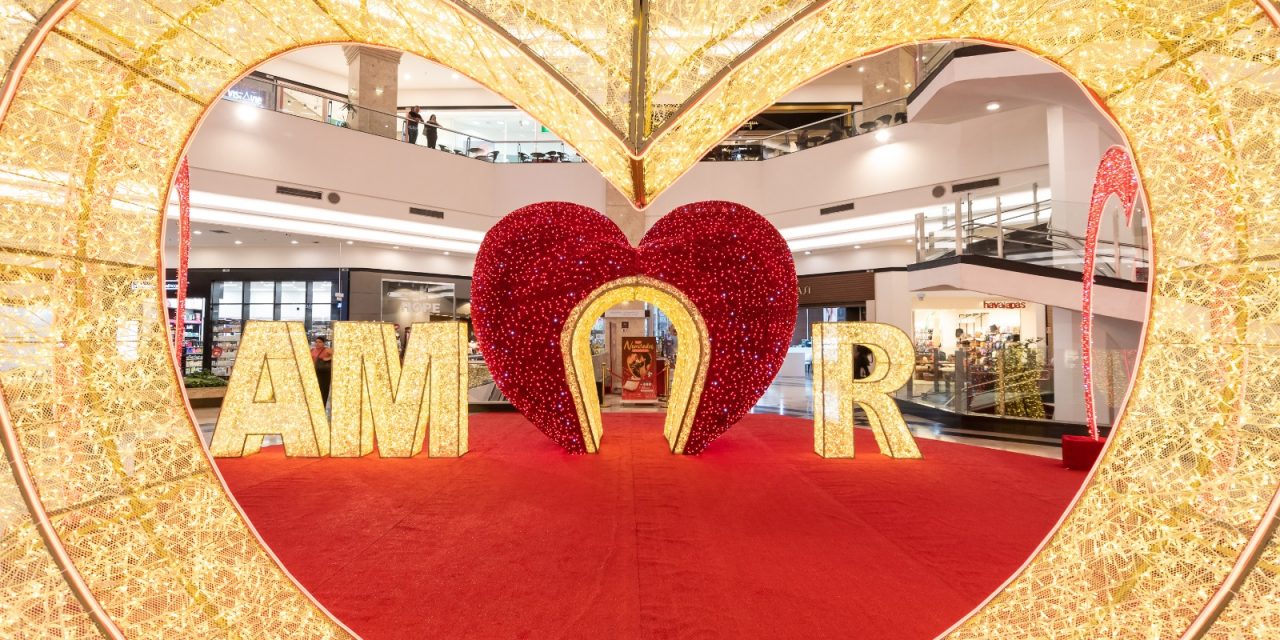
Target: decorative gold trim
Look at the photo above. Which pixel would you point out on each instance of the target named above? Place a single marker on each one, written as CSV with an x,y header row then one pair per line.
x,y
691,365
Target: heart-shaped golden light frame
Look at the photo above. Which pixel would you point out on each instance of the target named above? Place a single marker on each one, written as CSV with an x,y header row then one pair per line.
x,y
114,522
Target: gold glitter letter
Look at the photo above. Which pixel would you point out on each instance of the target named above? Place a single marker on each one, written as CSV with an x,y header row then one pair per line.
x,y
835,391
273,391
375,397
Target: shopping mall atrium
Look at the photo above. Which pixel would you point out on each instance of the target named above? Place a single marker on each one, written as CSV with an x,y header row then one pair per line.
x,y
654,319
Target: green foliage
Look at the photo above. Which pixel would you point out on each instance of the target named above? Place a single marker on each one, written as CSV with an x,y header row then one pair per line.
x,y
203,379
1019,380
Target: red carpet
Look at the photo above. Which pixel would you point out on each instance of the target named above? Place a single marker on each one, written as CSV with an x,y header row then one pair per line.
x,y
756,538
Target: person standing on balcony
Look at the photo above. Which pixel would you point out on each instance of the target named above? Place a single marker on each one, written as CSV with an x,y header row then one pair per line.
x,y
433,129
411,125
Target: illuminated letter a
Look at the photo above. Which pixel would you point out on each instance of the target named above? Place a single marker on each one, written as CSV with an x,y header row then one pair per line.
x,y
273,391
835,390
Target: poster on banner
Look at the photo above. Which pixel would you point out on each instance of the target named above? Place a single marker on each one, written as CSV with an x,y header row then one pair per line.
x,y
639,369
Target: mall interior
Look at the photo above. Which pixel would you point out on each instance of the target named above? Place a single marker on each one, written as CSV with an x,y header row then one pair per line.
x,y
548,241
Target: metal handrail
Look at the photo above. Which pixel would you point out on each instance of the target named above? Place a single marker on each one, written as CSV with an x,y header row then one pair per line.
x,y
332,104
962,228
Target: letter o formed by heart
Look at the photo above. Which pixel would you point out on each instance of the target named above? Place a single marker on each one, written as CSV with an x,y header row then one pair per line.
x,y
540,262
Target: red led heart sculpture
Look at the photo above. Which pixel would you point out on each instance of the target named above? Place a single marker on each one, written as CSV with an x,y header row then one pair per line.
x,y
540,261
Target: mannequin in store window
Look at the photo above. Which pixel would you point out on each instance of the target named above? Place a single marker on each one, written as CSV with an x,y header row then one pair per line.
x,y
412,123
322,357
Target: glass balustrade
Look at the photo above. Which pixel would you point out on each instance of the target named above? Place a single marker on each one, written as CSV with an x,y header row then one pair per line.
x,y
1018,224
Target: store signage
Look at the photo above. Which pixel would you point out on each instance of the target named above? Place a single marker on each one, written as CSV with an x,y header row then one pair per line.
x,y
1003,304
377,399
626,313
639,367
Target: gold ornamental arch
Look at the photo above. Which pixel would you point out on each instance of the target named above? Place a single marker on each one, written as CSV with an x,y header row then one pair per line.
x,y
113,521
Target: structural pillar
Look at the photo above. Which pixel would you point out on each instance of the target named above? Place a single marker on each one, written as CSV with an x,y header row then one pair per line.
x,y
373,80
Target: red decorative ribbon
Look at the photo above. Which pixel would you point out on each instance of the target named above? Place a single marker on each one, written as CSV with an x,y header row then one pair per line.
x,y
183,184
1115,177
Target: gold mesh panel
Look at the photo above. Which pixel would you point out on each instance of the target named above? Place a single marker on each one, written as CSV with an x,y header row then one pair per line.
x,y
689,43
35,601
100,117
588,43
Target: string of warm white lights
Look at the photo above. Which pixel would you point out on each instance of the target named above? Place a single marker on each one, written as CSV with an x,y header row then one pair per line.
x,y
101,98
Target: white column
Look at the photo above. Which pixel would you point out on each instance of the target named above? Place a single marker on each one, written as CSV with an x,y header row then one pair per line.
x,y
1075,148
1068,377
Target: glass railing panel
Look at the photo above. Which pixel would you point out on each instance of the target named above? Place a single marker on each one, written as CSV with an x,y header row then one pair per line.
x,y
303,104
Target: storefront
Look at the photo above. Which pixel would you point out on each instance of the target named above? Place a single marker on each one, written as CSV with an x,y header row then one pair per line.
x,y
981,354
834,297
220,301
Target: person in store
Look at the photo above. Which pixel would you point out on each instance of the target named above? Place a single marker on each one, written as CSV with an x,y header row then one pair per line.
x,y
322,357
433,130
412,123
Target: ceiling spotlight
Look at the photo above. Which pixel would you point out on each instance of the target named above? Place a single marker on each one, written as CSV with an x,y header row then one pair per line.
x,y
446,253
883,136
351,242
808,253
993,106
196,232
857,246
293,242
861,69
239,242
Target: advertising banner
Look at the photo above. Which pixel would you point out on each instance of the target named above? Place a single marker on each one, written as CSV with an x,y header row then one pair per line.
x,y
639,369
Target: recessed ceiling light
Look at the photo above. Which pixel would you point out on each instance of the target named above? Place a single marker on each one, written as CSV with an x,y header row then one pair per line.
x,y
857,246
196,232
861,69
396,247
454,75
910,240
883,135
293,242
446,253
239,242
351,242
407,76
993,106
808,253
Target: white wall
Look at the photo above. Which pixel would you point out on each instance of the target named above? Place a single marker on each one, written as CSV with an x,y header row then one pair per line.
x,y
329,255
899,174
893,301
872,257
232,153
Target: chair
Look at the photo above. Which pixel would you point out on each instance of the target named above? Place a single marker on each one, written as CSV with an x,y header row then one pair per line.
x,y
493,156
900,117
445,149
868,126
524,157
885,119
538,156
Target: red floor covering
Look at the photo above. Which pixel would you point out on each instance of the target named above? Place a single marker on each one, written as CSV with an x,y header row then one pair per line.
x,y
756,538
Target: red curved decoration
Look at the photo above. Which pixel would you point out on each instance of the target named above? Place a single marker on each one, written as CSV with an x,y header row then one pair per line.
x,y
1116,177
183,185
